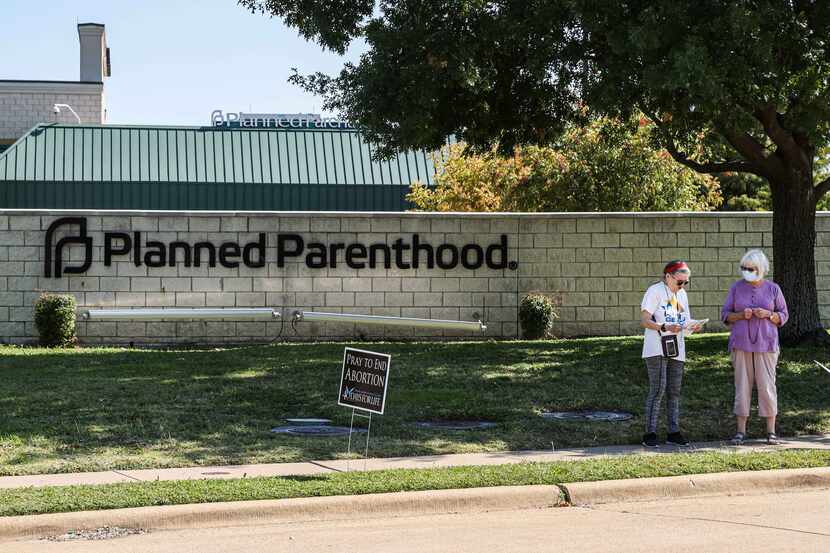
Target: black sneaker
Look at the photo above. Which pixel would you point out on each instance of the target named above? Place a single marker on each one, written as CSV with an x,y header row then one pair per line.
x,y
650,440
676,438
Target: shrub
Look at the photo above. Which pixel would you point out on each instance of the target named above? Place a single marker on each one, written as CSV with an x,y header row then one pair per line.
x,y
536,314
606,165
55,319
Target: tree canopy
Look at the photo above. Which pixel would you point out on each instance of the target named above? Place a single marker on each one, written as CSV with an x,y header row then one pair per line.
x,y
607,165
750,76
737,86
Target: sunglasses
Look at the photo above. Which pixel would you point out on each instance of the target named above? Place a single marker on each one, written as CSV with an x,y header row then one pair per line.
x,y
679,282
750,269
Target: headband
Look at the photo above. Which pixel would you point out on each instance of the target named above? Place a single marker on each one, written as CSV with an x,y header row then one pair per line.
x,y
674,266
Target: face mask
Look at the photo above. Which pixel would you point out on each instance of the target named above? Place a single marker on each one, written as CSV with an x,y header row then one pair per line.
x,y
749,276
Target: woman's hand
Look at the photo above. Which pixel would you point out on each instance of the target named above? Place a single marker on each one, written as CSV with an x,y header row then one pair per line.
x,y
775,318
747,313
761,313
674,328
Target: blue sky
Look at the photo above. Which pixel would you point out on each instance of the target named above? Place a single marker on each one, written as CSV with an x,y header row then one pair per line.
x,y
173,61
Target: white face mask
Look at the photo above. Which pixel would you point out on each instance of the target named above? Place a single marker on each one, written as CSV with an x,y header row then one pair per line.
x,y
750,276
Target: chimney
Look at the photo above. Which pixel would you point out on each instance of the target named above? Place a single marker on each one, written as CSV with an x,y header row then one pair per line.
x,y
95,56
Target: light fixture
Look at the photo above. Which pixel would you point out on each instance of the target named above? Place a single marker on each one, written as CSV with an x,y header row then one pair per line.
x,y
57,109
266,313
318,316
246,313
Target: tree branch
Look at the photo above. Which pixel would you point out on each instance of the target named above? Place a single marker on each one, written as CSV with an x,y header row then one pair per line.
x,y
710,167
747,146
787,145
822,188
740,166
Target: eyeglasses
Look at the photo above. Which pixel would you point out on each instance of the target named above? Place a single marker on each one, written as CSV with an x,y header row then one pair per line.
x,y
750,269
679,282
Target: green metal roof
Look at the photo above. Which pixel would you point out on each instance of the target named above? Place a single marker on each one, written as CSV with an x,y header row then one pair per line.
x,y
140,167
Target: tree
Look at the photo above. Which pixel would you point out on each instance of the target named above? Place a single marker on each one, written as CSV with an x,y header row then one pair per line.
x,y
607,165
744,192
732,85
748,192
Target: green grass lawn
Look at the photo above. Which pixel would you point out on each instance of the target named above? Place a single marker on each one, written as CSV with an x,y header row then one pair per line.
x,y
111,408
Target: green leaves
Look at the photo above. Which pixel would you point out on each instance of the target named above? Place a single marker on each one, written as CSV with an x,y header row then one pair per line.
x,y
536,314
606,165
331,23
55,319
515,72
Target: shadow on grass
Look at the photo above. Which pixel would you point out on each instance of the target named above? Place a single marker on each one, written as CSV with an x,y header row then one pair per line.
x,y
119,408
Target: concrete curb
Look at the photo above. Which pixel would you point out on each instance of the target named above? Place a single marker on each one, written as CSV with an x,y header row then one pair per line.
x,y
696,485
241,513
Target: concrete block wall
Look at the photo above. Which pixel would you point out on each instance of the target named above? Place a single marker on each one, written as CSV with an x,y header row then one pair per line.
x,y
25,104
596,266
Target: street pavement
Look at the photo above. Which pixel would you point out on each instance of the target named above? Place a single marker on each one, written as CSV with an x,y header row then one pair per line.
x,y
795,521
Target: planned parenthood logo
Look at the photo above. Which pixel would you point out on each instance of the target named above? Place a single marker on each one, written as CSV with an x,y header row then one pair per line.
x,y
54,262
141,250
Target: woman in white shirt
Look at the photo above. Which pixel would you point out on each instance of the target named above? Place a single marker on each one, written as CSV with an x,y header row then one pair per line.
x,y
664,314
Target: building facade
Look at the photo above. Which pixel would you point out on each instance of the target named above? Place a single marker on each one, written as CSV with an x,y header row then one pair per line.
x,y
470,267
57,152
25,104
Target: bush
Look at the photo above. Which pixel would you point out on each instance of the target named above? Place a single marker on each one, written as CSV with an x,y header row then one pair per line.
x,y
607,165
55,319
536,314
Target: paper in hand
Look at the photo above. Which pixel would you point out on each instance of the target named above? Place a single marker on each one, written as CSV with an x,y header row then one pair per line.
x,y
687,330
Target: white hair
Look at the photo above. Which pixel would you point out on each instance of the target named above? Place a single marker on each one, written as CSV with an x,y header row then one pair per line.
x,y
757,259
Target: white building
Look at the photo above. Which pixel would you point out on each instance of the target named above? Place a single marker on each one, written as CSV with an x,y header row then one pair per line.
x,y
25,103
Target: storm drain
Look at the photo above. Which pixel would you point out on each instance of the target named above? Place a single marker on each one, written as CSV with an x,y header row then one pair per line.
x,y
315,430
308,422
587,415
104,533
313,427
455,425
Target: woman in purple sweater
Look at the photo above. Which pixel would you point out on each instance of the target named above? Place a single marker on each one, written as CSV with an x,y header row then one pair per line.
x,y
754,309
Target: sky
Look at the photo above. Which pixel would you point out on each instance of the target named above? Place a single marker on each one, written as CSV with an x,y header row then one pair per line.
x,y
173,61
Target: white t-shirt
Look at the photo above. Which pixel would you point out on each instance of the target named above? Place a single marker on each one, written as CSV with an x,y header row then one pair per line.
x,y
657,301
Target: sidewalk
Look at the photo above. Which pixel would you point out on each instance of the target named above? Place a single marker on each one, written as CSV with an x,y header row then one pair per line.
x,y
311,468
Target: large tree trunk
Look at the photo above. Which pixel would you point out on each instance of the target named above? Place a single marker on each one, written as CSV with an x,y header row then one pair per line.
x,y
793,241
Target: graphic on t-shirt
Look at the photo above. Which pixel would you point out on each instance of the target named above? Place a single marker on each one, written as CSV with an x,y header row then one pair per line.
x,y
671,312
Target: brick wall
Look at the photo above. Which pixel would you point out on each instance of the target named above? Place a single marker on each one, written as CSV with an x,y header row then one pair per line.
x,y
597,265
25,104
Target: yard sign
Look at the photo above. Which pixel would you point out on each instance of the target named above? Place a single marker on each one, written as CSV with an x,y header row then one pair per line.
x,y
363,380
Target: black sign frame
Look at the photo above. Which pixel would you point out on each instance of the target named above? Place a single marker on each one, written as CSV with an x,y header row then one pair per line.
x,y
370,373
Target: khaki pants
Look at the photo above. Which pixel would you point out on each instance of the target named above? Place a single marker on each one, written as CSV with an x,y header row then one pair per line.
x,y
758,369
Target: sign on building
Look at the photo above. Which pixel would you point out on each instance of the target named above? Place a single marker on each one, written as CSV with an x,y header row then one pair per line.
x,y
364,380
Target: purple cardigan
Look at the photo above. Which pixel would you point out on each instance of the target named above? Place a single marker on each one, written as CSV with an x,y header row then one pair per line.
x,y
759,335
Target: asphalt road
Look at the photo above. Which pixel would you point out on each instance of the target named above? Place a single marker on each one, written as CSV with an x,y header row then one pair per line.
x,y
798,522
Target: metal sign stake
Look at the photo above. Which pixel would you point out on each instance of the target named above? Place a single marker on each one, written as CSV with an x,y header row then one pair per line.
x,y
363,386
368,434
